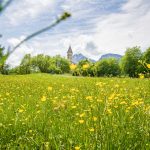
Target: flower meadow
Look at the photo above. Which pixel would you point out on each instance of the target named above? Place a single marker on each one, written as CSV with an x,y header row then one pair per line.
x,y
74,113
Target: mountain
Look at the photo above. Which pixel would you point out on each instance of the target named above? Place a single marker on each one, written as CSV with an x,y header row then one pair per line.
x,y
110,55
77,57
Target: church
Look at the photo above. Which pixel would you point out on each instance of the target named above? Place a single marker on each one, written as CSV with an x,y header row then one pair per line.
x,y
70,54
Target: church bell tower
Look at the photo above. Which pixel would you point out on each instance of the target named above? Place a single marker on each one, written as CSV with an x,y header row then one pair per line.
x,y
69,54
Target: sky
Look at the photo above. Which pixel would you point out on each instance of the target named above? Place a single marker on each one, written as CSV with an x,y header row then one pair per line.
x,y
96,27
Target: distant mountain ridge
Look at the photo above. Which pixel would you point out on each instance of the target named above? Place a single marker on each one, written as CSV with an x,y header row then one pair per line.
x,y
78,57
110,55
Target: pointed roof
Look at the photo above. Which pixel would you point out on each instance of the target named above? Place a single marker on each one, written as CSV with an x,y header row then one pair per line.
x,y
70,50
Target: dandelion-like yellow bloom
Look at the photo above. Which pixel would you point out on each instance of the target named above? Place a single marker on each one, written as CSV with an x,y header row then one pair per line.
x,y
136,103
82,115
73,107
77,148
111,97
99,100
81,121
46,145
115,106
38,111
49,88
43,99
148,66
109,111
91,130
117,85
95,118
123,103
73,66
20,110
124,81
86,66
141,76
30,131
89,98
7,94
100,84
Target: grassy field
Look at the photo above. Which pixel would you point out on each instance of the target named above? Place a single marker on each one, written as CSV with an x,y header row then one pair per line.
x,y
69,113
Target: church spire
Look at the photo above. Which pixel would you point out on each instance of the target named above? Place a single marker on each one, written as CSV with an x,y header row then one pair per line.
x,y
70,54
70,49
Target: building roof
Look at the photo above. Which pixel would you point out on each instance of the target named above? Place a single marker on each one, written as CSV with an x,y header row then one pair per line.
x,y
70,50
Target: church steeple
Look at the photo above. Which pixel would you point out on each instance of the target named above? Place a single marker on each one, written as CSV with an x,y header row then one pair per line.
x,y
69,54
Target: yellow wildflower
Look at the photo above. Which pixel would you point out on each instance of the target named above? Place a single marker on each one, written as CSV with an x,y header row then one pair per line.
x,y
43,99
38,111
141,76
73,66
7,94
131,117
20,110
82,115
100,84
91,129
77,148
109,111
136,103
115,106
128,108
111,97
89,98
117,85
50,88
123,103
148,66
46,145
30,131
73,107
99,100
124,81
86,66
81,121
95,118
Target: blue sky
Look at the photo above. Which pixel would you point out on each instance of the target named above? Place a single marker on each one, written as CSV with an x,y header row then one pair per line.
x,y
95,28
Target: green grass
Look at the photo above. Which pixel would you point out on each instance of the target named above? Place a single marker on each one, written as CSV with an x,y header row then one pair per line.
x,y
63,113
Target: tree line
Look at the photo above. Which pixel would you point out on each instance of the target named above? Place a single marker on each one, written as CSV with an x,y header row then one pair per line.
x,y
133,64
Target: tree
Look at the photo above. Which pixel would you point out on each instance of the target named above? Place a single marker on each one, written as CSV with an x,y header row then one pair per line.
x,y
62,63
3,66
85,68
108,67
129,62
42,62
25,66
146,56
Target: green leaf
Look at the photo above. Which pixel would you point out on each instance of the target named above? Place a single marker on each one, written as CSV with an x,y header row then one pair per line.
x,y
3,59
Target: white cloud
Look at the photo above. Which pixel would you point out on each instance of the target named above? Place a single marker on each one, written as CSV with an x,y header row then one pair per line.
x,y
15,58
23,10
125,29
